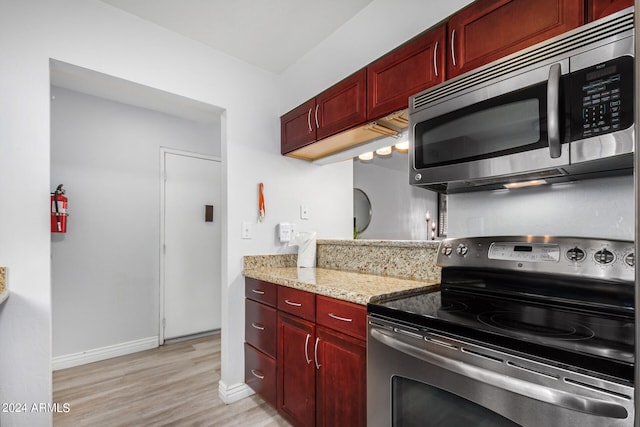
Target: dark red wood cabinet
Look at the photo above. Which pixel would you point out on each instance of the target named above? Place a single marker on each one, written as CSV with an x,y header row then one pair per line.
x,y
342,106
260,348
296,370
317,373
597,9
490,29
341,385
405,71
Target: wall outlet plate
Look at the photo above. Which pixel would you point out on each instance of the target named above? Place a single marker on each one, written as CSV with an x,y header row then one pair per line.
x,y
246,230
304,212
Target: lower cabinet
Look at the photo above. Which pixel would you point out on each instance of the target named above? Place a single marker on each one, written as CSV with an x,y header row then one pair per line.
x,y
341,385
296,370
318,375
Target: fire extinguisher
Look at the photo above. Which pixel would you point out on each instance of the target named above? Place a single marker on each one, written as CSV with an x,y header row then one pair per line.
x,y
59,210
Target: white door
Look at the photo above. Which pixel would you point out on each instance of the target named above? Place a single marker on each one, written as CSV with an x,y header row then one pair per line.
x,y
192,244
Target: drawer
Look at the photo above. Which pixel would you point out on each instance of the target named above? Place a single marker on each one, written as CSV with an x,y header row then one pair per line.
x,y
261,291
297,302
260,327
260,374
342,316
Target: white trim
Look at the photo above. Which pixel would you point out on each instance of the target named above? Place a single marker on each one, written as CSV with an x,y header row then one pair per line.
x,y
163,153
231,394
103,353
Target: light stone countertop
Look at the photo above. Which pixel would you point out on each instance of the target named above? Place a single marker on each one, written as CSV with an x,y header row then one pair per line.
x,y
4,290
349,286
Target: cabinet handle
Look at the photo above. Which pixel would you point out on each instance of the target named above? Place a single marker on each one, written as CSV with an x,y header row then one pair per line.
x,y
317,122
309,120
256,291
315,353
344,319
453,47
435,59
295,304
306,350
257,374
258,326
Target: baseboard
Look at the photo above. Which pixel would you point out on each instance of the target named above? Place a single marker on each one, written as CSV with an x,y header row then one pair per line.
x,y
231,394
103,353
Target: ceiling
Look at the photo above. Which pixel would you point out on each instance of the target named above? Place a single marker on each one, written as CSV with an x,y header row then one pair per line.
x,y
271,34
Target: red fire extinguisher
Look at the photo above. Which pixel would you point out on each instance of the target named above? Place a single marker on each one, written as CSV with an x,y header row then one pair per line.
x,y
59,210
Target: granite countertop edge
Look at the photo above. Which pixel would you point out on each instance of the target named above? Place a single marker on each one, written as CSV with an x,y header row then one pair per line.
x,y
4,295
358,288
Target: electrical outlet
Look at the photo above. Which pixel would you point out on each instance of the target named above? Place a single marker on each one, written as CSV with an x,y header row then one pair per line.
x,y
304,212
246,230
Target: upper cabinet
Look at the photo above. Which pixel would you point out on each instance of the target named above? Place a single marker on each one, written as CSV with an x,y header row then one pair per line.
x,y
373,102
407,70
490,29
597,9
338,108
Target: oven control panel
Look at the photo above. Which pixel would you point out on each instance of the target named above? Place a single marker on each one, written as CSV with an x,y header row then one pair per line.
x,y
614,259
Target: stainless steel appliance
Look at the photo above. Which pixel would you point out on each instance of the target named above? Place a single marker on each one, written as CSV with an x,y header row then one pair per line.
x,y
525,331
558,111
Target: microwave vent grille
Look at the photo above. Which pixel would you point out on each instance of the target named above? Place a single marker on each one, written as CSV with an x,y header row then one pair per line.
x,y
590,34
548,173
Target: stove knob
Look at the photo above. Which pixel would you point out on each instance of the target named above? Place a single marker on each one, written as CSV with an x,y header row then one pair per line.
x,y
604,257
462,249
575,254
447,249
630,259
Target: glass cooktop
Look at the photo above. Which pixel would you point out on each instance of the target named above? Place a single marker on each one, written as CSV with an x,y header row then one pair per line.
x,y
576,336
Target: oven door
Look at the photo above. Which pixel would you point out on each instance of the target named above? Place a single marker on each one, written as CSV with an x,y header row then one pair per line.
x,y
420,378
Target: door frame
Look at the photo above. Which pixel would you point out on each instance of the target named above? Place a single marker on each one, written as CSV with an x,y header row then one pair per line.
x,y
161,250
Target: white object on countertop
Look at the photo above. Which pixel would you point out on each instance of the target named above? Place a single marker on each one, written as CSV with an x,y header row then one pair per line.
x,y
306,243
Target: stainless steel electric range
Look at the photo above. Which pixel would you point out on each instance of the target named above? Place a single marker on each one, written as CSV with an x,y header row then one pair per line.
x,y
525,331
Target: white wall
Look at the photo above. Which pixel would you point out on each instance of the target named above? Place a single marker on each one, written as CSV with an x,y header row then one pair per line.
x,y
593,208
398,209
379,28
90,34
105,268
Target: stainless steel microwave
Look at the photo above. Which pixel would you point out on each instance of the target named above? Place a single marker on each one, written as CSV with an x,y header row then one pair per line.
x,y
558,111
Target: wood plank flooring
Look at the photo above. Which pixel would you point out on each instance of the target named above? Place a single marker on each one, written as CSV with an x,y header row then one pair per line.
x,y
173,385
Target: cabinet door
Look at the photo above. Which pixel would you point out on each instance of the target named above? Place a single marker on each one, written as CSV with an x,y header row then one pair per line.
x,y
410,69
490,29
597,9
341,379
297,127
296,370
342,106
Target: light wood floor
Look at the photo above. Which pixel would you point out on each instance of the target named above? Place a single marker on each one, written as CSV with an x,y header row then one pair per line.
x,y
174,385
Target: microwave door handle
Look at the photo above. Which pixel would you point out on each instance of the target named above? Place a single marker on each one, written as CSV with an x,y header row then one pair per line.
x,y
553,111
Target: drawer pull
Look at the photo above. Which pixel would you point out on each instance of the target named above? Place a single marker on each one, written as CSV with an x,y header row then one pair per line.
x,y
256,291
344,319
257,374
295,304
258,326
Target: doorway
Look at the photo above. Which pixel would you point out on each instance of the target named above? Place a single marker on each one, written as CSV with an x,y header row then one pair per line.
x,y
191,244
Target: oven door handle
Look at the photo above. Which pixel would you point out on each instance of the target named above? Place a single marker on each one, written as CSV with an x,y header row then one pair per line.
x,y
555,397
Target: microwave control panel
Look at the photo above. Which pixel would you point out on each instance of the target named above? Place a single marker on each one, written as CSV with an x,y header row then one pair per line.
x,y
602,98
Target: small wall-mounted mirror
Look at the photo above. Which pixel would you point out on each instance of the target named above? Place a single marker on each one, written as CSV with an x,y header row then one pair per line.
x,y
361,211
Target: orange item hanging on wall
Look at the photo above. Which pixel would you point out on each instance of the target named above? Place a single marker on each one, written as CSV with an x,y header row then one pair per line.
x,y
261,209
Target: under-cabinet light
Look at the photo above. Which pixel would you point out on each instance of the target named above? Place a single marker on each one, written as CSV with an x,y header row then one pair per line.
x,y
523,184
